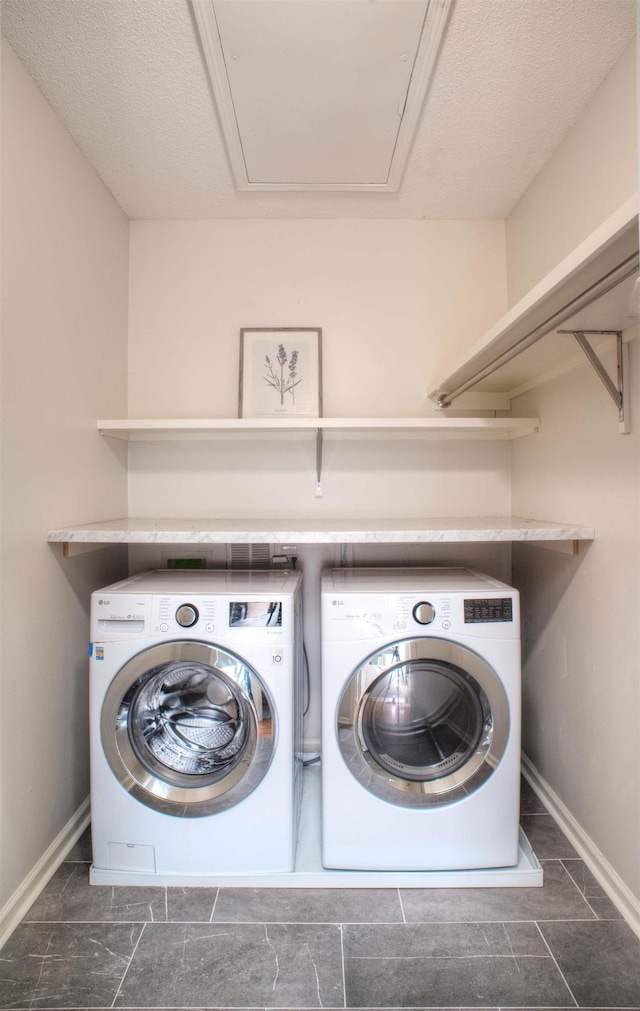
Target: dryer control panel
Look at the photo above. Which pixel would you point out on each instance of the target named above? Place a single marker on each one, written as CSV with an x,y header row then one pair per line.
x,y
480,610
361,616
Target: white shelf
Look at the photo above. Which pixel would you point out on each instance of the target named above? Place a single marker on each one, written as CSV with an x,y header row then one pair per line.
x,y
579,294
157,429
331,531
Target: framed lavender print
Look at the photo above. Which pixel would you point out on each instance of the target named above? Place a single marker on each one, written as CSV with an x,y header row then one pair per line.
x,y
280,372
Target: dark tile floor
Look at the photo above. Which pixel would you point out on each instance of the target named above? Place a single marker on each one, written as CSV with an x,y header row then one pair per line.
x,y
560,946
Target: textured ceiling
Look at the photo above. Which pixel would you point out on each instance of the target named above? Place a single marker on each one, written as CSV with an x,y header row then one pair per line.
x,y
128,79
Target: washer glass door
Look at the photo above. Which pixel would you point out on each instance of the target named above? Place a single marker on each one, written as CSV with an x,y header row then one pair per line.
x,y
425,721
187,728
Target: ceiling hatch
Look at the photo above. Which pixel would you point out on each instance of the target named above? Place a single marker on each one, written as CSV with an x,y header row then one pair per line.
x,y
319,94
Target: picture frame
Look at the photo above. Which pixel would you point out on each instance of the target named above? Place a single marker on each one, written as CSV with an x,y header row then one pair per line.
x,y
280,372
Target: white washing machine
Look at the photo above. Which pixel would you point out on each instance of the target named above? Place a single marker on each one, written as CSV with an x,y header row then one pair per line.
x,y
421,720
196,725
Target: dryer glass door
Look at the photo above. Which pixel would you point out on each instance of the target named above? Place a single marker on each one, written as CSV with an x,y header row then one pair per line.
x,y
422,719
187,728
423,722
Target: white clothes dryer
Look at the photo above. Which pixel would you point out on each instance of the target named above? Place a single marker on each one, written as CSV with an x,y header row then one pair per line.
x,y
421,720
196,725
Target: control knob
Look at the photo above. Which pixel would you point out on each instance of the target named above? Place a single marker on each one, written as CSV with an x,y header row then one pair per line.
x,y
424,612
187,615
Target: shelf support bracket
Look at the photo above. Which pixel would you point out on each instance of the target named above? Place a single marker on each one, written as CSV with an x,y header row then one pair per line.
x,y
615,390
319,463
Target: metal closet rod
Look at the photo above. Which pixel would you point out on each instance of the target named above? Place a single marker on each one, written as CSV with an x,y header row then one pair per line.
x,y
581,301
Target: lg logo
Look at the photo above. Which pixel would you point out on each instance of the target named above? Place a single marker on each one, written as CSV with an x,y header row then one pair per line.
x,y
337,603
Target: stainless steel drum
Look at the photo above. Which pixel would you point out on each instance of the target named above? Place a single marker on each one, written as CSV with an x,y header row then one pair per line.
x,y
187,728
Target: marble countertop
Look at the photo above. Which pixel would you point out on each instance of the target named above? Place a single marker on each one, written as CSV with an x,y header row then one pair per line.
x,y
310,531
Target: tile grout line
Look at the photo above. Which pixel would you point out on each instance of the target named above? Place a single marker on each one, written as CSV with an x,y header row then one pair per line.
x,y
41,970
215,903
404,918
331,923
119,987
575,883
344,975
555,962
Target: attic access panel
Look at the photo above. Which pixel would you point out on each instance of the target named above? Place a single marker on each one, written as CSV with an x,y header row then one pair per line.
x,y
319,94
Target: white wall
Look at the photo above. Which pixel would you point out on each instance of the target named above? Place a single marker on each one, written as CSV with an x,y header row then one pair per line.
x,y
64,321
589,176
581,629
389,297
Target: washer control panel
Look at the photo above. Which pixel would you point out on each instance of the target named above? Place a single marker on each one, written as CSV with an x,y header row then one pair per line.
x,y
247,619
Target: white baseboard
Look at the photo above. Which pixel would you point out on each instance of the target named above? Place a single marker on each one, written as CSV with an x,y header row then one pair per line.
x,y
26,894
622,897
